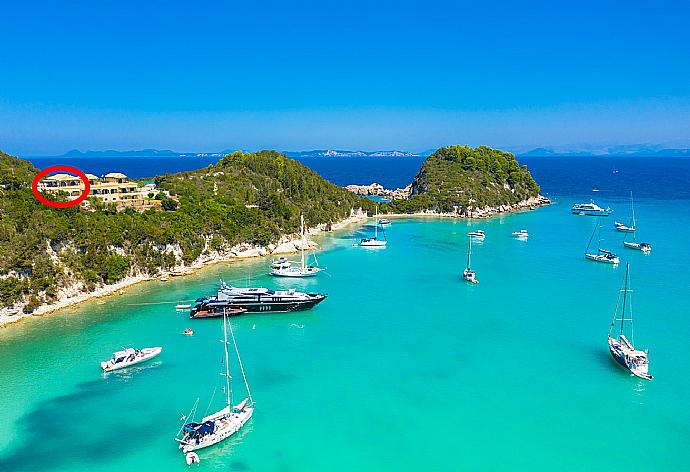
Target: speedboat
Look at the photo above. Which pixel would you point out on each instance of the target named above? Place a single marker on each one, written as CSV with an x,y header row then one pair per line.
x,y
522,234
590,209
384,221
130,357
644,247
234,301
478,234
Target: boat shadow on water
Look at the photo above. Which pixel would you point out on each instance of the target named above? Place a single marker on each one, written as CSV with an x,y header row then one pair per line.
x,y
82,429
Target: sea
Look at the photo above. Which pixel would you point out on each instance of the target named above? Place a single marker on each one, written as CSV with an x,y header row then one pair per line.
x,y
403,367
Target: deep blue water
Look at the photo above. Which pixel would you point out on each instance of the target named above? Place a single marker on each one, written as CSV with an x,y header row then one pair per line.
x,y
614,177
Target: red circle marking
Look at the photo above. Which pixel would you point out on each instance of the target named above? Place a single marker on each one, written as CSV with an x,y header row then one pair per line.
x,y
69,169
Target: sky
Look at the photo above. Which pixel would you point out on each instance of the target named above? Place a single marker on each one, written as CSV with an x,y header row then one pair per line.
x,y
214,75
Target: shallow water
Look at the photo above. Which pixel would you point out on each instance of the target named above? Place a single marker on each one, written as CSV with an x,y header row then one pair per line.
x,y
402,367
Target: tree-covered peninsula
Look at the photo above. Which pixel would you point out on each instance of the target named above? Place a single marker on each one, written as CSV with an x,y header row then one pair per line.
x,y
460,179
244,198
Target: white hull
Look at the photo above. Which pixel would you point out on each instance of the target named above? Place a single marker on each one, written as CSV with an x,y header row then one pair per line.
x,y
296,272
146,355
646,248
602,258
373,243
626,355
231,425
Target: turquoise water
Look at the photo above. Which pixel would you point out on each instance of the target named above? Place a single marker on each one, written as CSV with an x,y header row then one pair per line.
x,y
403,367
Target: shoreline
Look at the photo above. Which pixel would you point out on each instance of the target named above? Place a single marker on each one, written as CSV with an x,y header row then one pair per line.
x,y
286,245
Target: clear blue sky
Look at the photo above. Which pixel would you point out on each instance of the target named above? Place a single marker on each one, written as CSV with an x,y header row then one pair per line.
x,y
203,75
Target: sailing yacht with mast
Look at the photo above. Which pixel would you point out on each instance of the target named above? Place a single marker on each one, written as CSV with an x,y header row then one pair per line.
x,y
622,349
285,268
218,426
631,229
468,274
375,241
602,255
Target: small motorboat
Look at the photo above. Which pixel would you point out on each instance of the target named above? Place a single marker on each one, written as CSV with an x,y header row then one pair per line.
x,y
130,357
384,221
192,458
183,306
189,332
522,234
478,234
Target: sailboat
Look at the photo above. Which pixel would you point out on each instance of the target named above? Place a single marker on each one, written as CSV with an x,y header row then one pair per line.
x,y
284,268
375,241
632,228
602,255
468,274
622,349
218,426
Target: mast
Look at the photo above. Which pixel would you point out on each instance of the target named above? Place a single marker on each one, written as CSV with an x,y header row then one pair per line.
x,y
632,209
469,252
239,360
592,236
625,295
302,245
228,392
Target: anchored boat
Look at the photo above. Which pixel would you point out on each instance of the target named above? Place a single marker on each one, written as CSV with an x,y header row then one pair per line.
x,y
631,229
622,349
375,241
284,268
222,424
234,301
468,274
590,209
602,255
477,234
522,234
129,357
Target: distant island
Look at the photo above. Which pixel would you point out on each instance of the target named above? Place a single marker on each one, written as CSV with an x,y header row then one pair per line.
x,y
340,153
593,150
246,205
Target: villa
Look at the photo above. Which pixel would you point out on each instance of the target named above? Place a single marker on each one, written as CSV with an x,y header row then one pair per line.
x,y
114,187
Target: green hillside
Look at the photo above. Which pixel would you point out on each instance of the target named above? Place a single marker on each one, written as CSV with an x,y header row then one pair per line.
x,y
461,176
244,198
